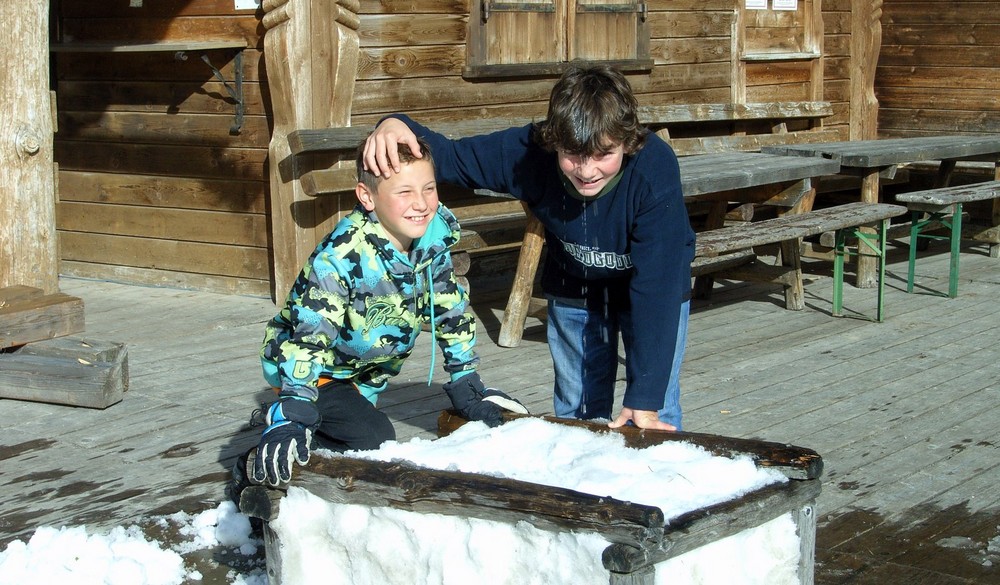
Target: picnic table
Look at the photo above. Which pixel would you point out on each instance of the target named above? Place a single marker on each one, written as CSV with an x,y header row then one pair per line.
x,y
719,178
873,159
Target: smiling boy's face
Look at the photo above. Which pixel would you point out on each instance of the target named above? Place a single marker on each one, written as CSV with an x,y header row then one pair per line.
x,y
405,203
590,174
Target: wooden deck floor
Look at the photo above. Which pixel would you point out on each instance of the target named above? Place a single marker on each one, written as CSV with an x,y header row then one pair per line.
x,y
905,413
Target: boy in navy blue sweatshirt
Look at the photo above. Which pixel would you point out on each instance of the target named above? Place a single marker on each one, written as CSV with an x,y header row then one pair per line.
x,y
619,243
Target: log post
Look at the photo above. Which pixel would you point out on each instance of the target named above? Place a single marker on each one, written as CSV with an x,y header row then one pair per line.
x,y
29,252
311,51
866,41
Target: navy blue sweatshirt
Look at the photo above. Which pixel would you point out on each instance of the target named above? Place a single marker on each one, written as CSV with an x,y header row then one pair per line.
x,y
630,248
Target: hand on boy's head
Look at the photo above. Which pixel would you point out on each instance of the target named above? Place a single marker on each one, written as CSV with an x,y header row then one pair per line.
x,y
644,419
381,154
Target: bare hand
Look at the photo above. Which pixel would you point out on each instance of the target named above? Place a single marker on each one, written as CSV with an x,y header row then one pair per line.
x,y
644,419
381,155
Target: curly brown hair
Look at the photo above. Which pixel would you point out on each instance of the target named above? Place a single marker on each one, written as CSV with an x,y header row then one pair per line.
x,y
591,109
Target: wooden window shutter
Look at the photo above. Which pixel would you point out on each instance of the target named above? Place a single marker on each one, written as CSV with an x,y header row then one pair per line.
x,y
509,35
610,30
539,37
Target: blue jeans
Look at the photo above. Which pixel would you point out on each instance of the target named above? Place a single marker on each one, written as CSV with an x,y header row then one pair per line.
x,y
584,348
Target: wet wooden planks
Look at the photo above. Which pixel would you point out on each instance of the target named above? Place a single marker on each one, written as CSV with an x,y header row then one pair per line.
x,y
903,412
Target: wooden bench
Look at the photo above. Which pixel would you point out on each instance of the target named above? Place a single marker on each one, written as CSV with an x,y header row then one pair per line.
x,y
787,230
943,207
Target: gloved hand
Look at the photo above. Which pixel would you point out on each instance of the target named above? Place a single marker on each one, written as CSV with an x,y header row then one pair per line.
x,y
290,422
475,402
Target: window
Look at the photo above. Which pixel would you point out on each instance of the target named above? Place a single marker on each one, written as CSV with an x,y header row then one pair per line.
x,y
538,37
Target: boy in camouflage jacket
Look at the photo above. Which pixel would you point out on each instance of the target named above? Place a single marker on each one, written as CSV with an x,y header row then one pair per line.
x,y
352,318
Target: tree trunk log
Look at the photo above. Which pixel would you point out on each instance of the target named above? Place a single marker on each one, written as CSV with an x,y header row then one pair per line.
x,y
28,245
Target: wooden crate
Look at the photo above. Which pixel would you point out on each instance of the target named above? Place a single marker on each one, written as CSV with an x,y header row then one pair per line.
x,y
639,535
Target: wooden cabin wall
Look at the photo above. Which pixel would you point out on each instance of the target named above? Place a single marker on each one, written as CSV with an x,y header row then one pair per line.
x,y
153,186
939,68
155,190
413,54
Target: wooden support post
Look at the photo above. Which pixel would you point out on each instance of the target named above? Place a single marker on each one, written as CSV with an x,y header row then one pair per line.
x,y
311,48
512,326
28,248
805,527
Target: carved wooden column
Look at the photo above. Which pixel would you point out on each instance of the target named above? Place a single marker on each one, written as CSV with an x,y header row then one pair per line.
x,y
29,254
311,53
866,42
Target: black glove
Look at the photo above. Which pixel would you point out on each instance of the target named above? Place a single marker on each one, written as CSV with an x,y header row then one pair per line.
x,y
475,402
290,422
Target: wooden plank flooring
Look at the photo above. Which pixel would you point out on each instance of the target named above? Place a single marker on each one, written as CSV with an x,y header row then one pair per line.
x,y
905,413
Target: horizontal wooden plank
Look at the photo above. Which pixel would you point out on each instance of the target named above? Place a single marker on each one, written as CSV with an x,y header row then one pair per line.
x,y
160,8
951,195
163,254
176,129
710,173
174,279
189,225
347,138
72,370
931,12
57,380
147,47
193,97
148,67
934,34
243,30
405,486
877,153
707,525
792,226
28,315
166,160
154,191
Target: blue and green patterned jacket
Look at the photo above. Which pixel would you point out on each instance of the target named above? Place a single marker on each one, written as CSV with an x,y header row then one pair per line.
x,y
356,308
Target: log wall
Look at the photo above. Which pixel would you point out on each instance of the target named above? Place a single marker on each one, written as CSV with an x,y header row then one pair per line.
x,y
154,189
153,186
939,68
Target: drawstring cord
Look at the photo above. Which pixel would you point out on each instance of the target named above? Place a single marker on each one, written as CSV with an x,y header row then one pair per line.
x,y
430,289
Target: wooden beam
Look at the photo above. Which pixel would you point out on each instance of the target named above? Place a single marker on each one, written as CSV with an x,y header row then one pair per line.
x,y
405,486
28,315
73,371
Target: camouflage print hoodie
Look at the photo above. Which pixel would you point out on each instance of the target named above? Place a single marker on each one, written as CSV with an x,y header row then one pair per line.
x,y
356,308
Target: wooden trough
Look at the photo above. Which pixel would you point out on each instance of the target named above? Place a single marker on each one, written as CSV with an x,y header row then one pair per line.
x,y
640,536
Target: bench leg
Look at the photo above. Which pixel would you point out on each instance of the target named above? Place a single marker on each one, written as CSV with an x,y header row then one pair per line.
x,y
516,312
876,252
954,226
956,246
839,252
791,258
914,237
883,229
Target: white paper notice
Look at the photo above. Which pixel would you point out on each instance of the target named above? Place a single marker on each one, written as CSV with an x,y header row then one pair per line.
x,y
756,4
247,4
785,4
